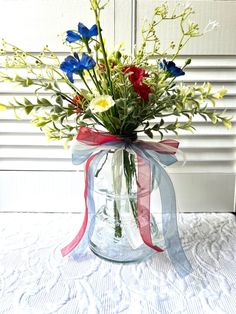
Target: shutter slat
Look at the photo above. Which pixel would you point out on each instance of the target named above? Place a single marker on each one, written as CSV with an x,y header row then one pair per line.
x,y
191,154
65,165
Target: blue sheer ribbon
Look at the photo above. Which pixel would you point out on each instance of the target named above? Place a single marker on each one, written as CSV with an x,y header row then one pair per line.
x,y
169,218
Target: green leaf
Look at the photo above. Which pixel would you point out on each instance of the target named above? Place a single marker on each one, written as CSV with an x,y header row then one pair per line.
x,y
56,85
81,123
57,109
147,124
28,109
2,107
161,134
149,133
59,100
28,82
156,127
40,123
87,115
220,94
27,102
17,78
17,102
161,122
44,101
203,116
227,123
70,128
188,125
212,117
55,127
48,86
54,117
62,118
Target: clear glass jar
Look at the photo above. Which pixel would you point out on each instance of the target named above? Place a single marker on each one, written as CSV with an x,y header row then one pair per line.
x,y
116,236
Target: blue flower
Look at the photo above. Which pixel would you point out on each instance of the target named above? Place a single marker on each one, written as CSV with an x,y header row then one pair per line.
x,y
171,68
87,33
83,33
76,65
87,62
69,66
72,36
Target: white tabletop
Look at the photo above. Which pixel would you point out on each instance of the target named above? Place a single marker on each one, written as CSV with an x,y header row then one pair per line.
x,y
35,279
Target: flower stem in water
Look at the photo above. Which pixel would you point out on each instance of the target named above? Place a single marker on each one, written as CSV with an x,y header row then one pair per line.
x,y
118,229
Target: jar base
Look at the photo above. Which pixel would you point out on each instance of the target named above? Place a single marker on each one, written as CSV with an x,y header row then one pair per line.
x,y
113,256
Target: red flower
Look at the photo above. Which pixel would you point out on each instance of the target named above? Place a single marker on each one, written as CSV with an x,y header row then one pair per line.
x,y
143,90
136,76
101,67
76,103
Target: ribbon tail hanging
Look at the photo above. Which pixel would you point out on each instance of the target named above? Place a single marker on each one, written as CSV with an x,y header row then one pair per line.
x,y
169,219
81,240
143,202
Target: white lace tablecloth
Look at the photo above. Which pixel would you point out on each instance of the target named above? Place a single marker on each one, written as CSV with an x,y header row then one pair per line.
x,y
35,279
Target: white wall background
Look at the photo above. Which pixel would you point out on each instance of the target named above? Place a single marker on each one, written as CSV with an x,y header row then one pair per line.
x,y
38,176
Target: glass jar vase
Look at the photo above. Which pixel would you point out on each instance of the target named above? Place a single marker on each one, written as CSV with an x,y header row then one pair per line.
x,y
116,235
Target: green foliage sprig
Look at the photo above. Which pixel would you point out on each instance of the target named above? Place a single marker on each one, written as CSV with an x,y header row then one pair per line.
x,y
123,94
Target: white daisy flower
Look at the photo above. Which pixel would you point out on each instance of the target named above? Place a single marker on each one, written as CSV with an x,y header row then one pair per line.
x,y
101,103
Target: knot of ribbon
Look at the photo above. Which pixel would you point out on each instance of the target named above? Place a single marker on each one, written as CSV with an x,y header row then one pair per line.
x,y
91,147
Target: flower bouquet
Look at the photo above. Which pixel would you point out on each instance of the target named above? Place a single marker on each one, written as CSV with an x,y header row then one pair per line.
x,y
114,97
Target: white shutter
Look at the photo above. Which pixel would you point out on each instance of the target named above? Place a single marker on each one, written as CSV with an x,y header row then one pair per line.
x,y
38,176
207,180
